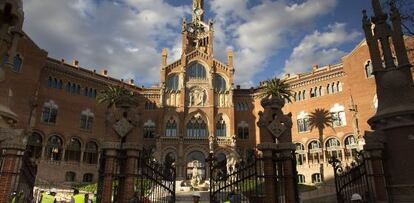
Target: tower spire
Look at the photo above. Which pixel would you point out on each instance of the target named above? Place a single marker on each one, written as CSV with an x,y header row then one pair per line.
x,y
198,10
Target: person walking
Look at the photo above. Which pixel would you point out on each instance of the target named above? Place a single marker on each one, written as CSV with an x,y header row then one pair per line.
x,y
77,198
49,198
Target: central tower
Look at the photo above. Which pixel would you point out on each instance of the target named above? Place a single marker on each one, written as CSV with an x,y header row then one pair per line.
x,y
197,98
197,33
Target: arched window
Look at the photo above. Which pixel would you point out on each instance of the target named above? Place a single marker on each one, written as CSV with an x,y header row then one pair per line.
x,y
321,92
91,153
17,63
316,178
196,71
55,83
339,86
243,130
303,123
50,82
303,94
78,89
68,86
49,112
87,178
338,115
171,128
300,154
73,150
369,70
315,152
54,148
90,93
34,145
85,91
221,127
299,96
301,179
149,129
351,146
333,149
312,93
60,84
333,88
328,89
295,96
73,89
172,82
86,119
70,176
219,83
196,127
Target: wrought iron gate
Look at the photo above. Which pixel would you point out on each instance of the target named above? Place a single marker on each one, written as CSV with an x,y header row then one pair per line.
x,y
244,182
357,178
153,182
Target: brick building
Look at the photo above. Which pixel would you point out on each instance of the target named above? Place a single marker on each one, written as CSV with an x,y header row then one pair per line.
x,y
196,104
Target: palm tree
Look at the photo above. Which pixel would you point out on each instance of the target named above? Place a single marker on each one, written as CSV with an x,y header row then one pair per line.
x,y
113,95
275,88
320,119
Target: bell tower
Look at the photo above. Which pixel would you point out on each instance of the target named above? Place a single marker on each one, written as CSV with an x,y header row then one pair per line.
x,y
197,34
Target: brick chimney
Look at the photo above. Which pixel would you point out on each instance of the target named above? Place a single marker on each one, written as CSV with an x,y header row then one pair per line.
x,y
131,82
105,72
75,63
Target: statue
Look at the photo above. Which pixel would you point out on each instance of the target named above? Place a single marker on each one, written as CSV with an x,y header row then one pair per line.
x,y
231,163
195,178
197,97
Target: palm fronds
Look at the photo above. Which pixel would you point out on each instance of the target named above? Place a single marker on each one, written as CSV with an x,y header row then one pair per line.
x,y
275,88
113,94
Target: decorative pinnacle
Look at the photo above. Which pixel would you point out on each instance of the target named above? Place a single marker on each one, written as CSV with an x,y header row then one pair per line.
x,y
377,8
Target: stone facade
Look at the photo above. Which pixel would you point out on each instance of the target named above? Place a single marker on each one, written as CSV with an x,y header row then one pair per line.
x,y
195,109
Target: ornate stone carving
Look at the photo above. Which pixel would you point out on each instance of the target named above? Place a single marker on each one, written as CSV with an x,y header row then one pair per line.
x,y
122,127
279,125
198,97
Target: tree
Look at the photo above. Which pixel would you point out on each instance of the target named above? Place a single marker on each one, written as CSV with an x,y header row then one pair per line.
x,y
275,88
320,119
112,95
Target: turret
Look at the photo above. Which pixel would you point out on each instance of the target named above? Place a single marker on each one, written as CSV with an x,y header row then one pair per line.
x,y
11,23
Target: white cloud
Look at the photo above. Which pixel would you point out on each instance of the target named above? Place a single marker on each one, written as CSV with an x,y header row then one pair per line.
x,y
257,33
319,48
121,36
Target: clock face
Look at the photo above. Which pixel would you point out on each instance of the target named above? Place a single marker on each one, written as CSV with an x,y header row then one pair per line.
x,y
199,12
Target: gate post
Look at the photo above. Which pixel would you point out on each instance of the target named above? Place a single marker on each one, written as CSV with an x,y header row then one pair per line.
x,y
131,171
279,172
110,151
9,173
373,157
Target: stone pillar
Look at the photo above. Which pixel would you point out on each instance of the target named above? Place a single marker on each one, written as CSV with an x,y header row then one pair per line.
x,y
131,172
286,188
373,152
278,152
110,163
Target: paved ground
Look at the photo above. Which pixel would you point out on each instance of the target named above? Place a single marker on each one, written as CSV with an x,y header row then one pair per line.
x,y
187,197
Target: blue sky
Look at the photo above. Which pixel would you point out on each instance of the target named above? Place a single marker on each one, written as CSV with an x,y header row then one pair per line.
x,y
269,37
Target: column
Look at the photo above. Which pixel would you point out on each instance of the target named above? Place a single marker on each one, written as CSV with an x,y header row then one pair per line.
x,y
110,156
131,173
373,155
287,172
